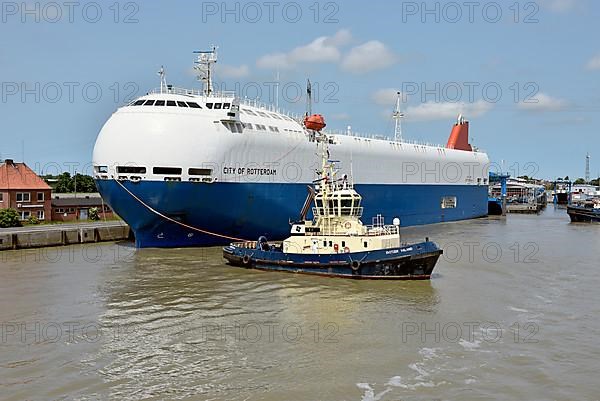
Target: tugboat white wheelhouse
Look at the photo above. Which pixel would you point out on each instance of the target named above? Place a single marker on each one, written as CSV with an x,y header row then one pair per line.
x,y
198,168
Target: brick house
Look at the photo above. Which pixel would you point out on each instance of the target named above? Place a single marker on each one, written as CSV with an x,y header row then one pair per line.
x,y
23,190
71,207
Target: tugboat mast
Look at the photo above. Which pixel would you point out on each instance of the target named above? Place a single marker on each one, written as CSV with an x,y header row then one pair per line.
x,y
204,63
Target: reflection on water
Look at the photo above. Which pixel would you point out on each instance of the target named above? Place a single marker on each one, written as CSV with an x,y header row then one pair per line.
x,y
110,321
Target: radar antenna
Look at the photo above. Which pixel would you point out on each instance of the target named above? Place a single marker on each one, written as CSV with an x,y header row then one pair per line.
x,y
204,63
397,115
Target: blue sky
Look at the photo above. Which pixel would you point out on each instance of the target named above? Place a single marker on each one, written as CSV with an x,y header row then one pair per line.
x,y
448,57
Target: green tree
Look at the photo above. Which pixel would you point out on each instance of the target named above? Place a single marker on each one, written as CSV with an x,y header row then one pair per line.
x,y
85,183
9,218
65,183
579,181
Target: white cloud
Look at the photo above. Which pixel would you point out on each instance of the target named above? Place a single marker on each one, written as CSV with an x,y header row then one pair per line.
x,y
385,97
324,49
340,38
230,71
594,63
369,56
542,102
441,111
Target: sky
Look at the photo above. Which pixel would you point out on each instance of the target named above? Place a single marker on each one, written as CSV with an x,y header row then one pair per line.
x,y
526,74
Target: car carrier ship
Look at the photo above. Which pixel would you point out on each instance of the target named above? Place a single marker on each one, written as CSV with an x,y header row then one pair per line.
x,y
190,167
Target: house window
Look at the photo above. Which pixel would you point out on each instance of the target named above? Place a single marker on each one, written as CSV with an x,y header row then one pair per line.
x,y
40,215
1,197
40,196
25,215
23,197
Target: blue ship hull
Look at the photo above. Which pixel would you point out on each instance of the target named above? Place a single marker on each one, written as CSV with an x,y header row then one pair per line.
x,y
247,210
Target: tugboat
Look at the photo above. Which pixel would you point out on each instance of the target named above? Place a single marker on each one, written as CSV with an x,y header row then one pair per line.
x,y
335,242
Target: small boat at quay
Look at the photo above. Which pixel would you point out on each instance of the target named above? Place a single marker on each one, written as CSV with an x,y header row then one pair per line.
x,y
335,242
585,212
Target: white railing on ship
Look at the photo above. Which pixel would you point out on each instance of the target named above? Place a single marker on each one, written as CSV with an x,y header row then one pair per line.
x,y
191,92
379,230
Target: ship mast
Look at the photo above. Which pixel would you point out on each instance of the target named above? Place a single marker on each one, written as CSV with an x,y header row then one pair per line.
x,y
398,116
204,63
163,79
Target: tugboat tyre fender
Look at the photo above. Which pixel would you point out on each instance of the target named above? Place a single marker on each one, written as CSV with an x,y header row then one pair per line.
x,y
347,225
355,265
346,249
246,259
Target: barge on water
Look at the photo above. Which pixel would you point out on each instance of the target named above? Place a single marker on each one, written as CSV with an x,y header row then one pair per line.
x,y
585,212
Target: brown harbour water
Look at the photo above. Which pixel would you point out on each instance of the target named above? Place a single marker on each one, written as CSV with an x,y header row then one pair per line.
x,y
513,313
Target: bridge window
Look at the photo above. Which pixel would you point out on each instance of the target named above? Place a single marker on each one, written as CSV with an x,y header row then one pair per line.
x,y
199,171
194,105
167,170
226,105
217,106
131,170
181,104
149,103
139,102
159,103
209,105
171,103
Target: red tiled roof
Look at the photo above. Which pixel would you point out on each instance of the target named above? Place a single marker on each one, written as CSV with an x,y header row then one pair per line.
x,y
19,176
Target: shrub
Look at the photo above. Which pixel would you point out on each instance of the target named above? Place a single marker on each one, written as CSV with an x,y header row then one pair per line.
x,y
93,214
9,218
33,220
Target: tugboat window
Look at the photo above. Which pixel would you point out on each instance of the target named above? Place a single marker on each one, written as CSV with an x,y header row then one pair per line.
x,y
139,102
171,103
217,106
149,103
159,103
209,105
194,105
226,105
181,104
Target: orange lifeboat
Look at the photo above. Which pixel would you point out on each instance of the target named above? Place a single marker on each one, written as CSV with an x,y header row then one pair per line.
x,y
315,122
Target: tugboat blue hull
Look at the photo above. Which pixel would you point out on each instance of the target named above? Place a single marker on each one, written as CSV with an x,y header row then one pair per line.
x,y
410,262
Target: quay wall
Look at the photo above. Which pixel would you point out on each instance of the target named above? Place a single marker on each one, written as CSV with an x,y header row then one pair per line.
x,y
54,236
